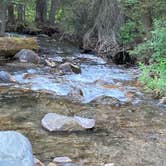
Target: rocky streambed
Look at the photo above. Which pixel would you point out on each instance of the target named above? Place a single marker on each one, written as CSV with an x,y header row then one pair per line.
x,y
129,128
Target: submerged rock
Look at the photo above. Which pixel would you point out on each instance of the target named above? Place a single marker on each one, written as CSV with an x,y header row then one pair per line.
x,y
6,77
62,160
15,150
68,67
163,100
27,56
76,94
106,100
51,164
110,164
38,162
56,122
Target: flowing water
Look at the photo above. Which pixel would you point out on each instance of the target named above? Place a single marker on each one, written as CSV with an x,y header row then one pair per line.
x,y
130,126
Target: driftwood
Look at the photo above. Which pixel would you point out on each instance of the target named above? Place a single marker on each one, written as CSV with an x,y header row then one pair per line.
x,y
10,46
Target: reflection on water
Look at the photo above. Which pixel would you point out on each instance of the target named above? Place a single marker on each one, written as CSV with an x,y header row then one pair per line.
x,y
130,134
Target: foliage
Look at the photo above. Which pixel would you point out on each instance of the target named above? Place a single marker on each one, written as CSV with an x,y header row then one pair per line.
x,y
157,46
154,77
129,31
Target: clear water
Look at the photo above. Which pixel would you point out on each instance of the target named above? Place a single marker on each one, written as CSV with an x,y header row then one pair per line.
x,y
131,133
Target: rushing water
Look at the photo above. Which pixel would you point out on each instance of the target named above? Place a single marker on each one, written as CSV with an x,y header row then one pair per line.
x,y
130,126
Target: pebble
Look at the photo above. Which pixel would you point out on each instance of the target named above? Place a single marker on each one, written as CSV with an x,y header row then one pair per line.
x,y
62,160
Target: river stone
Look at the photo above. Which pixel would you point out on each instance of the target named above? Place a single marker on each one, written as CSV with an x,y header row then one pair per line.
x,y
76,94
38,162
62,160
110,164
15,150
84,122
69,67
163,100
6,77
56,122
51,164
27,56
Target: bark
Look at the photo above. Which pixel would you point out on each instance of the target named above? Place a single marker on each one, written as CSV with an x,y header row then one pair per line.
x,y
103,36
41,12
11,16
53,11
2,17
21,13
10,46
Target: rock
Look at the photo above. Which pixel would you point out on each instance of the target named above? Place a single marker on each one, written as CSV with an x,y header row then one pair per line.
x,y
29,76
50,63
51,164
6,77
62,160
76,94
15,150
70,164
123,57
38,162
56,122
84,122
110,164
27,56
106,100
10,46
68,67
163,100
43,36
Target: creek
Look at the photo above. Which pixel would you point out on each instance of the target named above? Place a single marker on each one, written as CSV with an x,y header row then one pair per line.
x,y
130,125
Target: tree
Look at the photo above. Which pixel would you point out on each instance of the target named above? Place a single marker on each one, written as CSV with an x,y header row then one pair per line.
x,y
53,11
41,12
2,17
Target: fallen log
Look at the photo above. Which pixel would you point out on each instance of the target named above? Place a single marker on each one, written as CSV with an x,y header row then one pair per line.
x,y
10,46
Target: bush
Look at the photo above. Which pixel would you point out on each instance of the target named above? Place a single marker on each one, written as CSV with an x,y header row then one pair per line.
x,y
154,76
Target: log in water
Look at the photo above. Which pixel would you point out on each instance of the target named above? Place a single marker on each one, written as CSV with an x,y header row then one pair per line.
x,y
10,46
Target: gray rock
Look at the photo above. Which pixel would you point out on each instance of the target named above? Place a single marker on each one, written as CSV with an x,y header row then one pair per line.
x,y
27,56
56,122
62,160
163,100
43,36
84,122
15,150
68,67
76,94
6,77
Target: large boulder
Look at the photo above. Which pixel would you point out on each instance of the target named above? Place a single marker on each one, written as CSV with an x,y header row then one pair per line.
x,y
56,122
27,56
5,77
69,67
15,150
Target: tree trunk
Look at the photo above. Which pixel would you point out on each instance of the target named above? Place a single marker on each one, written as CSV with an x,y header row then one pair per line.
x,y
103,36
21,13
2,17
11,16
41,12
53,11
